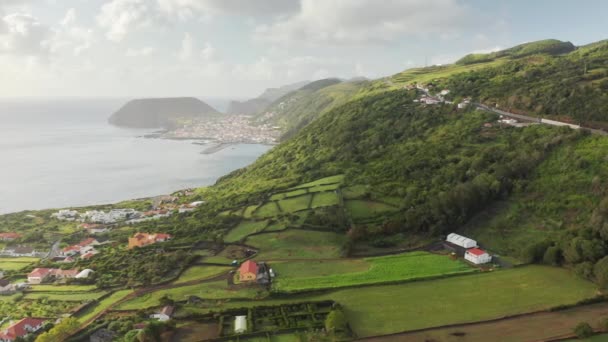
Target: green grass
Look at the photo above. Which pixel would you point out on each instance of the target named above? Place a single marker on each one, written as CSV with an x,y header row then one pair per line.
x,y
200,273
321,188
62,288
295,244
354,192
248,213
244,229
64,297
360,209
322,181
385,309
15,264
268,209
212,290
103,305
277,226
294,204
401,267
424,75
324,199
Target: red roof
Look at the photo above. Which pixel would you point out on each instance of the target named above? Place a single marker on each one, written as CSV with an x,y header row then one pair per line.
x,y
87,242
161,236
40,272
21,328
9,236
249,267
71,248
476,251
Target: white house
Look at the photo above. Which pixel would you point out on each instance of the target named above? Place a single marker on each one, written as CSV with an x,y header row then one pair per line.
x,y
462,105
477,256
240,324
164,314
84,274
461,241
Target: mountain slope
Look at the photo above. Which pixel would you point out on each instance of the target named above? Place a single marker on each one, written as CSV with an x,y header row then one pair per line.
x,y
160,112
260,103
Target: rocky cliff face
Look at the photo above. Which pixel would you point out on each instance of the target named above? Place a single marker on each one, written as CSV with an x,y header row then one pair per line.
x,y
160,112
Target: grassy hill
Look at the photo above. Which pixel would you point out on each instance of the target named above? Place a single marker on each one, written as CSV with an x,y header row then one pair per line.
x,y
548,46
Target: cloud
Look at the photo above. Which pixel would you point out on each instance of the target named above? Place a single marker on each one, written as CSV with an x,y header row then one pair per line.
x,y
258,8
143,52
23,34
365,21
120,17
67,35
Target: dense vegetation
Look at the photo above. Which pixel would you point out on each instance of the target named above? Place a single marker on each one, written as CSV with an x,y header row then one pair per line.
x,y
548,46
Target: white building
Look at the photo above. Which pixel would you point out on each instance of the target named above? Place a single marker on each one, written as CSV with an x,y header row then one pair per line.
x,y
462,105
477,256
240,324
461,241
84,274
164,314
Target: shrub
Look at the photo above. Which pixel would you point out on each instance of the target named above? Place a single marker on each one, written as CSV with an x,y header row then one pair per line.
x,y
583,330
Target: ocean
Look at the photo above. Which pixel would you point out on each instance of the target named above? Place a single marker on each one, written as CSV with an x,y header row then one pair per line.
x,y
63,153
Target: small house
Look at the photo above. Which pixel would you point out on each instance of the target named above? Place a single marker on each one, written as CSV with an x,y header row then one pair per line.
x,y
84,274
21,329
477,256
240,324
248,271
38,275
461,241
164,314
9,236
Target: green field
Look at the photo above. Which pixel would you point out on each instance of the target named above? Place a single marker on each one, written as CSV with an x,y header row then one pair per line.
x,y
269,209
64,297
293,204
62,288
103,305
322,181
385,309
248,213
360,209
244,229
200,273
392,268
354,192
212,290
296,244
322,188
325,199
15,264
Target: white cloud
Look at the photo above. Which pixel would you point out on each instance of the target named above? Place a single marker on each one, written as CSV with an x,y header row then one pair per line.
x,y
187,50
120,17
69,36
365,21
23,34
143,52
184,9
70,18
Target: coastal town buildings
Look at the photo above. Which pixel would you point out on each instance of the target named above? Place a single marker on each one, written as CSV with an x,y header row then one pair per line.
x,y
145,239
40,275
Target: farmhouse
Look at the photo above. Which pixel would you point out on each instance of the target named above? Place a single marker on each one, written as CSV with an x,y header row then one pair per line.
x,y
144,239
21,329
19,251
164,314
477,256
248,271
39,275
461,241
9,236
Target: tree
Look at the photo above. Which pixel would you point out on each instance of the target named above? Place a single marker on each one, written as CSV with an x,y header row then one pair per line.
x,y
336,323
583,330
601,271
552,255
61,331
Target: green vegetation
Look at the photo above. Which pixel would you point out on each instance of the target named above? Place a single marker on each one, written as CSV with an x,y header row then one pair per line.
x,y
64,297
269,209
294,204
102,305
365,209
16,264
297,244
385,269
548,46
323,181
244,229
62,288
200,273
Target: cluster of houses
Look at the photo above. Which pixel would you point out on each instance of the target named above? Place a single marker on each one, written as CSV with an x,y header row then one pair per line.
x,y
84,250
21,251
252,272
9,236
42,275
472,252
96,216
19,330
145,239
438,98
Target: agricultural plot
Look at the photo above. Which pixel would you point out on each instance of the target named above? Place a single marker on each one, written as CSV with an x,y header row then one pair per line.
x,y
294,204
15,264
324,199
297,244
104,304
293,193
62,288
211,290
354,192
248,213
200,273
268,209
392,268
244,229
360,210
386,309
64,296
322,188
322,181
227,255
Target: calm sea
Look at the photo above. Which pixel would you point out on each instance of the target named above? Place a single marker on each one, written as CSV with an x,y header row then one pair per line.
x,y
62,152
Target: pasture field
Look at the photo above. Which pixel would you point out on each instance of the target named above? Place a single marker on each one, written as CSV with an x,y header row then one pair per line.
x,y
400,267
293,204
200,273
268,209
322,188
62,288
277,226
244,229
248,213
293,193
385,309
360,209
64,296
322,181
226,256
354,192
15,264
324,199
212,290
105,303
297,244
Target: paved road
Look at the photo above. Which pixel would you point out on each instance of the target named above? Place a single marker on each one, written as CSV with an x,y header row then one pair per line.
x,y
54,250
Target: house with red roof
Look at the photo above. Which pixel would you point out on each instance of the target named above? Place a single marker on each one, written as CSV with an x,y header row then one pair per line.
x,y
82,247
9,236
39,275
144,239
22,328
477,256
248,271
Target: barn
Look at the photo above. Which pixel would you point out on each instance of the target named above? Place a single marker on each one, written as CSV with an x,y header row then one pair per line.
x,y
461,241
477,256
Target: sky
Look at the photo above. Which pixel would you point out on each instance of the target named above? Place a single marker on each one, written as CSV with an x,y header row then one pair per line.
x,y
237,48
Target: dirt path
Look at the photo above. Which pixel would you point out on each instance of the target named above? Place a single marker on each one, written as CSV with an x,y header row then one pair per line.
x,y
545,326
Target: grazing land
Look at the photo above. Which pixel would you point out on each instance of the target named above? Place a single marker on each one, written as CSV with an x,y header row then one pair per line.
x,y
360,209
269,209
62,288
64,297
293,204
323,181
200,273
102,305
324,199
244,229
402,267
297,244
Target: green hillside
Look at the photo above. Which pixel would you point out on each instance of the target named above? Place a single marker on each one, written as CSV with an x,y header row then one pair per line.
x,y
548,46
